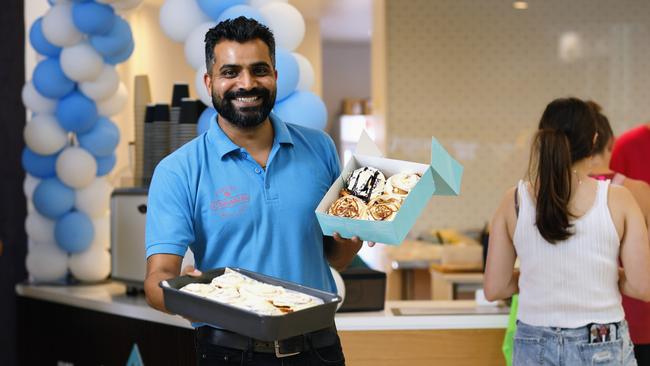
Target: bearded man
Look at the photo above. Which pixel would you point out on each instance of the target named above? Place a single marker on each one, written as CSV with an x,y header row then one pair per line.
x,y
243,194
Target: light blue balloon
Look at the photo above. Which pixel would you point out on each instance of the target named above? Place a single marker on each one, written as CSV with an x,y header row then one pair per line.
x,y
118,38
214,8
39,42
204,120
237,11
76,112
121,56
40,166
303,108
74,232
93,18
52,198
102,139
105,164
288,73
49,79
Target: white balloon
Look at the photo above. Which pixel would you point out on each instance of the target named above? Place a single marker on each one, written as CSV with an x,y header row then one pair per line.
x,y
43,244
104,86
201,90
178,18
35,102
261,3
43,135
46,263
30,206
76,167
195,45
287,24
306,72
94,199
81,62
29,185
58,27
102,226
39,228
115,103
93,264
124,5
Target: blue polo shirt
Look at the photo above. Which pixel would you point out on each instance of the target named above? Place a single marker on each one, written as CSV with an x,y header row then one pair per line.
x,y
212,196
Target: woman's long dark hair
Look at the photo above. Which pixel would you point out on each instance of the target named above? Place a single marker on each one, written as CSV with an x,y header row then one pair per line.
x,y
565,135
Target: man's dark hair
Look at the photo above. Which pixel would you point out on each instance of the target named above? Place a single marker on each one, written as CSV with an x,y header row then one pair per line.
x,y
240,30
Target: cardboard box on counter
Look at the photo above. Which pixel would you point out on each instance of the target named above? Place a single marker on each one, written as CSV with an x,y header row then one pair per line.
x,y
440,178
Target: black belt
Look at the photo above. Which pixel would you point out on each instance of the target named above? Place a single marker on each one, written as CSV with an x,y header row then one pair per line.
x,y
287,347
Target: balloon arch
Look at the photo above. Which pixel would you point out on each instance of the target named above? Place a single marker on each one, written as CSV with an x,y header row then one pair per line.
x,y
70,139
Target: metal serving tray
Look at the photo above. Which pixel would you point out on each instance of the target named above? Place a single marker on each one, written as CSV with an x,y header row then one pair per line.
x,y
262,327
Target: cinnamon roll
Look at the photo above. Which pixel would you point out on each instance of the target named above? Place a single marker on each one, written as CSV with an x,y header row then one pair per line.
x,y
349,206
401,184
384,208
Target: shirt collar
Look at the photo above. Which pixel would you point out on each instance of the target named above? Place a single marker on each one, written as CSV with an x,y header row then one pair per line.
x,y
224,144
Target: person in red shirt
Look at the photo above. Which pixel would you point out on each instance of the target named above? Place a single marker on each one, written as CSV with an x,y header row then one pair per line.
x,y
631,153
629,166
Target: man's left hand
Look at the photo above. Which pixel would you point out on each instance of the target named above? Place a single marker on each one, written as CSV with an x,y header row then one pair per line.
x,y
355,241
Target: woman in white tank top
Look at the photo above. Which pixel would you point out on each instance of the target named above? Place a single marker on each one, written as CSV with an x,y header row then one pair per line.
x,y
568,231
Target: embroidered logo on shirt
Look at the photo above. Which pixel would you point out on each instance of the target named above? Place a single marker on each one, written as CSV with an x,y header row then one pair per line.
x,y
229,202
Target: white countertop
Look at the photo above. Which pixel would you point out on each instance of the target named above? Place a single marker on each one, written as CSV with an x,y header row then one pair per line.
x,y
111,298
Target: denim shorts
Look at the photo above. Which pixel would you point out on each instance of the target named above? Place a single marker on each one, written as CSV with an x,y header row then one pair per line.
x,y
570,346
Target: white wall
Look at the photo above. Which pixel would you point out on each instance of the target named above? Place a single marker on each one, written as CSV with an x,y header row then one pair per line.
x,y
346,74
478,74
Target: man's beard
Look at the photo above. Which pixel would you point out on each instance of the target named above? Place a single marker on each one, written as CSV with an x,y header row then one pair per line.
x,y
245,117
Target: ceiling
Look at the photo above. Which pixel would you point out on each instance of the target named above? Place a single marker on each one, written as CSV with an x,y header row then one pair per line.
x,y
340,20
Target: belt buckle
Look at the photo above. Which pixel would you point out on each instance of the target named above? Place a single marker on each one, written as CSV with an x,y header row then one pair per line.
x,y
279,354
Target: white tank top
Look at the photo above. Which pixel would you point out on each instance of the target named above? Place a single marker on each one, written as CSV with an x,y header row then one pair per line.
x,y
574,282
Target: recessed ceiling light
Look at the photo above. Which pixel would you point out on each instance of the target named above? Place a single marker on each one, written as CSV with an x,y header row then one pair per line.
x,y
520,5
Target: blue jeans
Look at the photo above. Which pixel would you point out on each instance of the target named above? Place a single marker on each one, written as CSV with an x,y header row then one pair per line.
x,y
570,346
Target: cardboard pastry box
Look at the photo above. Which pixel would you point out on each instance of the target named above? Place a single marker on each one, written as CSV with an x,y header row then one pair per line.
x,y
441,178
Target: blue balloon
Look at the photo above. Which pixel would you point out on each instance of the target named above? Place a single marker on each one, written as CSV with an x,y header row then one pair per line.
x,y
93,18
204,120
214,8
39,42
102,139
105,164
40,166
49,79
242,10
76,112
288,73
121,56
52,198
303,108
74,232
118,38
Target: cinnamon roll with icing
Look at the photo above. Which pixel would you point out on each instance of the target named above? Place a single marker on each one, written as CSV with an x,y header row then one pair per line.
x,y
401,184
384,208
349,206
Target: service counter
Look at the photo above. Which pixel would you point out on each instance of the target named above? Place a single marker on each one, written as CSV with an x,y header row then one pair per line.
x,y
100,324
